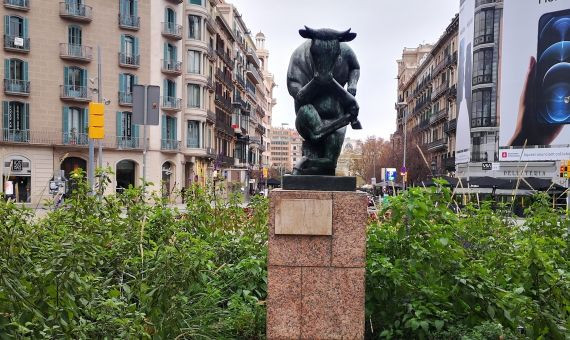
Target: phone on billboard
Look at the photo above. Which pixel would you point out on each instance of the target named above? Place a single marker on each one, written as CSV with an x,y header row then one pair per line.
x,y
552,91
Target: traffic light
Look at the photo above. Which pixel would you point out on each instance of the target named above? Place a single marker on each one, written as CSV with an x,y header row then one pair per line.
x,y
96,120
565,169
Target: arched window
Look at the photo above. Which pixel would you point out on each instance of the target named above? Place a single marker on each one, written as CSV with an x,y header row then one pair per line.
x,y
170,16
125,175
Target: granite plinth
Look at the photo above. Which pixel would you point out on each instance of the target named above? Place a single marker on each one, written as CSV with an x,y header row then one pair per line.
x,y
319,183
316,283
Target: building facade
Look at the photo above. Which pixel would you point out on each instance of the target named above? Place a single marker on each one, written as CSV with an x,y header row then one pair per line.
x,y
286,149
188,48
426,106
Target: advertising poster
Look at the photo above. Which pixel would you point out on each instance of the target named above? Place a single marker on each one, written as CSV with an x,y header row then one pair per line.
x,y
535,81
465,64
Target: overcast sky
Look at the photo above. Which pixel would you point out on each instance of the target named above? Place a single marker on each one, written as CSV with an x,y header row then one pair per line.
x,y
384,28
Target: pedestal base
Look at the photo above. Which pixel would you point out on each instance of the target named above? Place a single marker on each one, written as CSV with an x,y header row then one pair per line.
x,y
316,277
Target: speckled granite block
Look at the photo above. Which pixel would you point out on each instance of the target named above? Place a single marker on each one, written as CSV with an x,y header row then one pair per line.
x,y
284,306
333,303
316,283
350,213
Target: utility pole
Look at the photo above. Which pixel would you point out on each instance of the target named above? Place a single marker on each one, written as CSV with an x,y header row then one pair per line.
x,y
405,147
99,99
144,138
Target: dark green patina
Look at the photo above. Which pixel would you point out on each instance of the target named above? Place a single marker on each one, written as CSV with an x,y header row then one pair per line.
x,y
318,72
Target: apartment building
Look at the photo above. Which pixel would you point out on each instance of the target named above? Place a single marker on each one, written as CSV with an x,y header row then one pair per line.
x,y
426,104
185,47
49,80
286,148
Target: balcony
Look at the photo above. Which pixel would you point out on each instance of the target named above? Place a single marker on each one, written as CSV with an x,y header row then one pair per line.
x,y
222,124
238,102
15,136
210,116
193,143
74,93
224,103
129,60
171,67
75,52
226,58
449,163
439,144
484,39
210,84
126,142
438,116
171,30
210,24
16,43
483,2
239,81
482,79
439,91
225,78
22,5
75,11
252,57
129,22
169,145
125,98
450,126
75,138
226,161
211,54
16,87
421,105
170,103
483,122
253,74
210,152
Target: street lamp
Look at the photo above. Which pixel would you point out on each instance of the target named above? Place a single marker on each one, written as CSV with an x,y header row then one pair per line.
x,y
288,142
399,106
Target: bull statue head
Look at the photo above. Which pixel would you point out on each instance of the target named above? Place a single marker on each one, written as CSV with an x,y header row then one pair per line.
x,y
325,46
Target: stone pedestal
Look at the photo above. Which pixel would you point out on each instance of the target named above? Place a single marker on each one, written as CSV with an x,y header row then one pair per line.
x,y
317,250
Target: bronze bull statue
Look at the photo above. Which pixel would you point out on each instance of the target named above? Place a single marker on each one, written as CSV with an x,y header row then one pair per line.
x,y
318,72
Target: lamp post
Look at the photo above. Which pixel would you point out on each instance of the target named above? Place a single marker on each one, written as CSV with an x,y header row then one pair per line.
x,y
288,143
399,106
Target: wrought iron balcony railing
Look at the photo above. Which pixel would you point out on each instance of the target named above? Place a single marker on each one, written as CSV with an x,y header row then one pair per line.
x,y
75,52
16,43
130,22
16,87
75,11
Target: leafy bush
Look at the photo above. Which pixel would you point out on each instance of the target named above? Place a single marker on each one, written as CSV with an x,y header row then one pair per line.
x,y
118,267
434,274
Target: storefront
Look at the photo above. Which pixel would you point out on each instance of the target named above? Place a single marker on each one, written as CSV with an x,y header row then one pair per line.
x,y
17,178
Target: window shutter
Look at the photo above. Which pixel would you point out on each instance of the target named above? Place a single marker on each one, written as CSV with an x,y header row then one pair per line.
x,y
165,88
165,52
136,46
85,115
65,124
166,16
65,75
135,8
5,116
123,7
119,124
122,43
163,127
26,117
7,24
136,80
84,78
122,84
7,69
174,129
135,133
25,70
25,29
174,55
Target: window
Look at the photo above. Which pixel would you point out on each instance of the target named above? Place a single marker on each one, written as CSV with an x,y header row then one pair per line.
x,y
75,82
196,2
129,45
129,50
15,121
127,132
483,66
481,109
15,26
193,95
170,16
74,35
484,26
126,83
193,139
169,139
16,76
194,58
74,125
194,27
169,88
129,8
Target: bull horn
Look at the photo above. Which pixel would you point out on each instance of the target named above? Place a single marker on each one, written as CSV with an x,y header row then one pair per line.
x,y
307,33
346,36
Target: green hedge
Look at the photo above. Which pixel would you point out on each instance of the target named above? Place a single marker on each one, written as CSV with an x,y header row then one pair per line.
x,y
118,267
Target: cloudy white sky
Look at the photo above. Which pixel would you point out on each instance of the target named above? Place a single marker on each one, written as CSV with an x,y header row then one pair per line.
x,y
384,28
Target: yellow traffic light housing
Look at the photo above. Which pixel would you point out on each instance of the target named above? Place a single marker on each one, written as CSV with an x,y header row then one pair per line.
x,y
96,120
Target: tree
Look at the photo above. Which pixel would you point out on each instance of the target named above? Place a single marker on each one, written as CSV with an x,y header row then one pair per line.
x,y
375,155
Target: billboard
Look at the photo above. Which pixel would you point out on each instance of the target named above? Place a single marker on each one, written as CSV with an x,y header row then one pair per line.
x,y
535,81
465,64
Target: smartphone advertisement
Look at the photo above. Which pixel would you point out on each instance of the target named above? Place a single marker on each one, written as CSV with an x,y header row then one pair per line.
x,y
465,64
535,81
